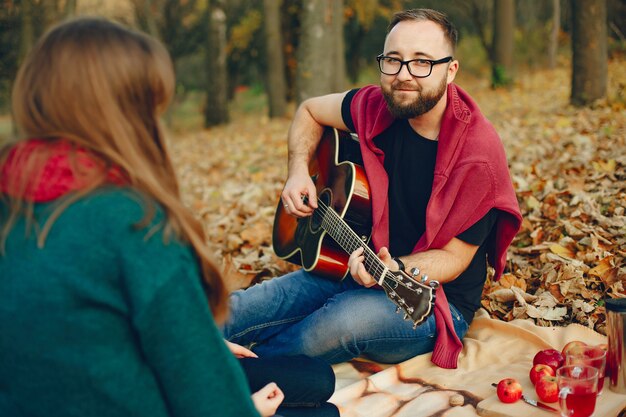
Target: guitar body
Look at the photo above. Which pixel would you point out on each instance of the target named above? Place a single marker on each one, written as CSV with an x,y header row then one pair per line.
x,y
342,223
341,183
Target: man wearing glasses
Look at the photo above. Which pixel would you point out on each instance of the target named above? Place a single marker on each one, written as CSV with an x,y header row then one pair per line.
x,y
442,202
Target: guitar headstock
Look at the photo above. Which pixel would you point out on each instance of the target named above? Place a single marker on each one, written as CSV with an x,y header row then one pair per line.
x,y
417,300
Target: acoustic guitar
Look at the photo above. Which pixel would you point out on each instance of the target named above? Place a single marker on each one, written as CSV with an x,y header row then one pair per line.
x,y
322,243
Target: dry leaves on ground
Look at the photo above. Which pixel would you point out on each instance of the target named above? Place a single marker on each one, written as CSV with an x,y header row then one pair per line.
x,y
569,170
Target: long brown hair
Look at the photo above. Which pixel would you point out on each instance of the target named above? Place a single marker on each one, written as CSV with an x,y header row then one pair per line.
x,y
103,87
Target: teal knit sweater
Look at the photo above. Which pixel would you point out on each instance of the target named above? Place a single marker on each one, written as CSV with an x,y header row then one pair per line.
x,y
107,320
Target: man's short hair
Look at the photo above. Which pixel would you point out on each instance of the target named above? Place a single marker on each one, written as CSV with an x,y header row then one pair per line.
x,y
449,31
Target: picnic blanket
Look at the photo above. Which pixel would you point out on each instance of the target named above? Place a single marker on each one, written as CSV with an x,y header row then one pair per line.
x,y
493,350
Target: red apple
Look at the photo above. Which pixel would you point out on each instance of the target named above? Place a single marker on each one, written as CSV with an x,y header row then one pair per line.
x,y
551,357
571,345
509,390
539,370
547,389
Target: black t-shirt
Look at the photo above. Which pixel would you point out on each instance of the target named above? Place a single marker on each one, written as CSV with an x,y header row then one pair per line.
x,y
410,165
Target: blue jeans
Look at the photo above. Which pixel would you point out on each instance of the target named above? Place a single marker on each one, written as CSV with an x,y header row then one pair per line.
x,y
303,314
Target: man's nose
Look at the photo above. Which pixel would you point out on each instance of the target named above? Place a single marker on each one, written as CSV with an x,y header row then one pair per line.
x,y
404,74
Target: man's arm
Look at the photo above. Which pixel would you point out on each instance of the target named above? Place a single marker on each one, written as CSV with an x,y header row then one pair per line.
x,y
443,265
303,137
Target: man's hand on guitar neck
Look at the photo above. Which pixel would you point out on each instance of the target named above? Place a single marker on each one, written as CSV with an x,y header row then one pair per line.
x,y
445,264
297,186
357,268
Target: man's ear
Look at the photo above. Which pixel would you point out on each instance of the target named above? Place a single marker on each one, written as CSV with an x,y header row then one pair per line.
x,y
452,70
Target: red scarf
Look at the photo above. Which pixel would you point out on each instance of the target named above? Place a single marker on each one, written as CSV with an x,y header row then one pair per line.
x,y
67,168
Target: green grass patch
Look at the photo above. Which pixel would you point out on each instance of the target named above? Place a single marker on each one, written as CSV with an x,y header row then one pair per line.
x,y
186,112
249,100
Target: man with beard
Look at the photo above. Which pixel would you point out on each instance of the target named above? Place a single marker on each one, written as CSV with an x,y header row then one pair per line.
x,y
442,201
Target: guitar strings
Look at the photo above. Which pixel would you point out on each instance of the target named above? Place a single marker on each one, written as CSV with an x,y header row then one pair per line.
x,y
332,220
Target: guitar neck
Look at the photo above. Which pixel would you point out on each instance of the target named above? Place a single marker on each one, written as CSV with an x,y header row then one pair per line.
x,y
406,293
349,241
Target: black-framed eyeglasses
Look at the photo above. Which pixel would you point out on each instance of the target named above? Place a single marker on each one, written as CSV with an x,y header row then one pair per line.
x,y
420,67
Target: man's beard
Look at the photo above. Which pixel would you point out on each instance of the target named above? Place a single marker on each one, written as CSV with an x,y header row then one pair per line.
x,y
424,102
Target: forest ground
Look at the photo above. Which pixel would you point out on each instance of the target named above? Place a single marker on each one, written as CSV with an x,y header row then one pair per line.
x,y
568,167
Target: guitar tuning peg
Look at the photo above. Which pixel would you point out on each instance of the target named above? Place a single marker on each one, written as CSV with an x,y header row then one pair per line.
x,y
397,309
406,316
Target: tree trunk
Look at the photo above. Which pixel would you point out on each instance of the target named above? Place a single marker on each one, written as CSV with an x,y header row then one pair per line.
x,y
49,14
216,108
276,78
339,52
355,58
151,23
503,42
317,50
26,42
553,45
480,16
70,8
589,51
27,29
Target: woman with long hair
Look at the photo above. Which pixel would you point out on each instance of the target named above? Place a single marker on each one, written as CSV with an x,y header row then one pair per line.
x,y
103,312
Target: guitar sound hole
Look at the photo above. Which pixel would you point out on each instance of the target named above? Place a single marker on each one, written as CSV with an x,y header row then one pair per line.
x,y
317,218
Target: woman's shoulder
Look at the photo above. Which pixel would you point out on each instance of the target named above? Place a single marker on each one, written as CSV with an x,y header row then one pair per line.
x,y
120,196
119,202
131,224
116,209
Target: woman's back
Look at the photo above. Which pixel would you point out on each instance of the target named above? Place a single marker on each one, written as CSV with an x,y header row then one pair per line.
x,y
107,319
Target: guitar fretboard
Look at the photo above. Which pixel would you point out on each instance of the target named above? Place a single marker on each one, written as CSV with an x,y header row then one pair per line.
x,y
349,241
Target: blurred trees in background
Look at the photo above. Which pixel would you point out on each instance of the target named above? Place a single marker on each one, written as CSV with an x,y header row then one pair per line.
x,y
216,70
276,79
288,50
21,23
321,60
589,48
503,42
553,42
